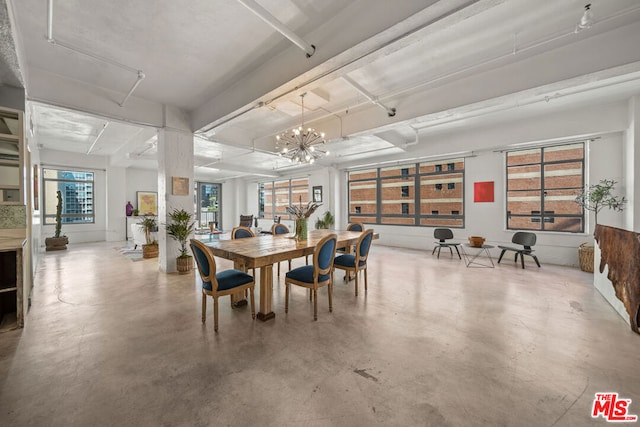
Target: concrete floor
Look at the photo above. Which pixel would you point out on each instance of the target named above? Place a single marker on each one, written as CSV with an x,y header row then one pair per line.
x,y
112,342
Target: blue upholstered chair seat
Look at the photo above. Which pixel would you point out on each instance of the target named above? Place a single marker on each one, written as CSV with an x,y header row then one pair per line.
x,y
229,282
229,279
348,260
305,274
321,268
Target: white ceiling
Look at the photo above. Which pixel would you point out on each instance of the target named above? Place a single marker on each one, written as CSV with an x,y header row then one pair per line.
x,y
441,64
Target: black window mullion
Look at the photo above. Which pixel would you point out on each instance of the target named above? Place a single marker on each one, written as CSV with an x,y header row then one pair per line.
x,y
416,195
379,196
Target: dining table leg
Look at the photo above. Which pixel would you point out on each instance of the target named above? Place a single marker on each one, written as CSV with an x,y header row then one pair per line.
x,y
266,293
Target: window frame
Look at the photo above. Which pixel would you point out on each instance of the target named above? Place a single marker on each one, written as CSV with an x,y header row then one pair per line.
x,y
46,217
291,188
415,179
546,216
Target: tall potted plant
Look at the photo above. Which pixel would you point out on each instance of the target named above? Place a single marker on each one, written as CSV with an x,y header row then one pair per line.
x,y
594,198
149,224
180,228
57,242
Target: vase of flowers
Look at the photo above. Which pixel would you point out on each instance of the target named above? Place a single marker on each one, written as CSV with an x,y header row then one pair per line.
x,y
301,214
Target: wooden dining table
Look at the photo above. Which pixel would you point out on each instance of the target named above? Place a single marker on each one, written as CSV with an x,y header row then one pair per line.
x,y
265,250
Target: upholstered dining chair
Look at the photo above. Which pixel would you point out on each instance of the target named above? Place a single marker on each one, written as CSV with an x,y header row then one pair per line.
x,y
358,262
353,226
316,275
278,228
241,232
444,234
216,284
527,240
246,220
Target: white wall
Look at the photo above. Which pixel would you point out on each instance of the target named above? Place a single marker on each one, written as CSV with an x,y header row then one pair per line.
x,y
139,180
113,188
79,233
605,158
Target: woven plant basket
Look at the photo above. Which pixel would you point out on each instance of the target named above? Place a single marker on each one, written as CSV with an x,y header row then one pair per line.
x,y
585,255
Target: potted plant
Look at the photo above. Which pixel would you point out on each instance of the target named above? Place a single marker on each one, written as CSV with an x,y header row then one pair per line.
x,y
326,221
594,198
57,242
149,224
180,228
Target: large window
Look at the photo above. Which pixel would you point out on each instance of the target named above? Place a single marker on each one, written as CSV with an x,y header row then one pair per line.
x,y
275,196
429,194
542,184
208,203
76,188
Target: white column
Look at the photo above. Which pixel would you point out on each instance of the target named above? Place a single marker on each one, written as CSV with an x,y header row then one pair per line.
x,y
175,160
116,204
632,166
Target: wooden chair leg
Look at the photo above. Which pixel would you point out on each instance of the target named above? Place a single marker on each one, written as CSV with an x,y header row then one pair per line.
x,y
204,307
365,281
289,265
286,298
434,250
535,258
330,286
215,314
253,303
356,274
458,251
521,259
278,269
315,304
501,255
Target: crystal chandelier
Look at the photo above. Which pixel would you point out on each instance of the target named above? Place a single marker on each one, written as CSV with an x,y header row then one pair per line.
x,y
299,144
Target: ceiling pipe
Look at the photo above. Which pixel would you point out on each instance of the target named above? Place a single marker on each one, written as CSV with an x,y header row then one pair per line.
x,y
374,100
224,120
55,42
141,77
267,17
50,21
97,137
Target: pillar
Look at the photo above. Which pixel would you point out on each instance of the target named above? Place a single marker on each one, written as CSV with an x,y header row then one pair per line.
x,y
175,160
632,166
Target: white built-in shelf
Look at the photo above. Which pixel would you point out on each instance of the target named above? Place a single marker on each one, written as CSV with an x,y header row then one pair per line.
x,y
9,137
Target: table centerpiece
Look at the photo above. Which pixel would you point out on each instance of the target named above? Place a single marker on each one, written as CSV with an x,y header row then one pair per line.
x,y
301,214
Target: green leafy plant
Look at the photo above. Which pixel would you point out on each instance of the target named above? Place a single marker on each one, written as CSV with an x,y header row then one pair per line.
x,y
326,221
598,196
148,223
180,228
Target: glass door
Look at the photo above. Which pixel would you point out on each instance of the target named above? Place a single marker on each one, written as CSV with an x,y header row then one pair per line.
x,y
209,203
